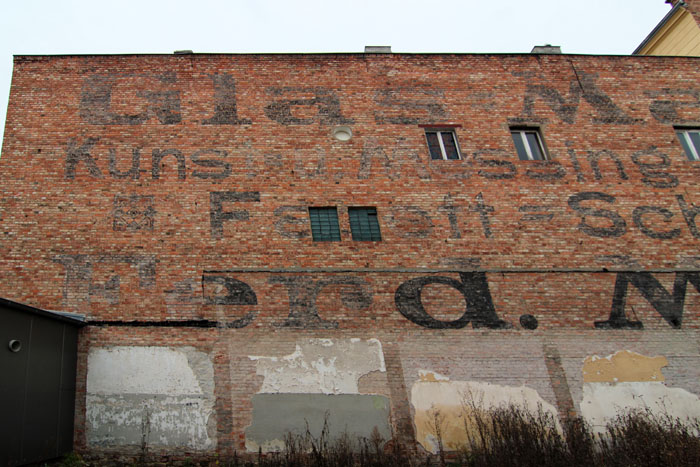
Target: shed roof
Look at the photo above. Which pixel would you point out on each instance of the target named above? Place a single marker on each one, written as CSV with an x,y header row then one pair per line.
x,y
70,318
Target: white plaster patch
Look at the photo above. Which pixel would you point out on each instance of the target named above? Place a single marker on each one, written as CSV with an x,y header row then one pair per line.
x,y
602,402
140,370
450,400
156,396
321,366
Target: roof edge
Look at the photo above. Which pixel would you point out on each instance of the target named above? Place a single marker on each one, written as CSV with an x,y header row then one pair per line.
x,y
373,56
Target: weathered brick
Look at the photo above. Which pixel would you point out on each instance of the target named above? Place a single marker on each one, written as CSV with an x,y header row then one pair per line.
x,y
165,198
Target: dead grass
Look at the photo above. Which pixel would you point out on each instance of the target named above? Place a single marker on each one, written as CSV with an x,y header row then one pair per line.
x,y
501,437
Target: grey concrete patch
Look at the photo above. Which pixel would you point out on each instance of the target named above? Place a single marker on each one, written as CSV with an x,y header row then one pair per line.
x,y
148,421
275,415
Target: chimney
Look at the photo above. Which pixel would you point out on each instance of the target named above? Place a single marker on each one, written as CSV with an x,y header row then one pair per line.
x,y
377,49
546,49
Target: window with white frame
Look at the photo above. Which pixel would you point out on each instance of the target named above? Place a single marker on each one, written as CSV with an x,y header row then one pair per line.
x,y
442,144
528,144
690,140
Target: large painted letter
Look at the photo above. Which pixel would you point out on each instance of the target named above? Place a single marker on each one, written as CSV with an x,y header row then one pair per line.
x,y
619,226
303,291
667,110
225,111
670,307
325,100
651,173
409,105
566,108
474,288
689,213
96,101
75,154
222,290
638,217
217,214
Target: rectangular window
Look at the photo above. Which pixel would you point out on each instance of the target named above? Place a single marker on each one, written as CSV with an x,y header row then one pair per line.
x,y
690,140
364,224
442,144
324,224
528,143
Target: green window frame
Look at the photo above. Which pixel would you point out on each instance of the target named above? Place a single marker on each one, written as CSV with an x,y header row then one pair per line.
x,y
364,224
324,224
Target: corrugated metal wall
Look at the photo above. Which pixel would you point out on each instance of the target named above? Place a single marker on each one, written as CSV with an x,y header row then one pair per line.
x,y
37,386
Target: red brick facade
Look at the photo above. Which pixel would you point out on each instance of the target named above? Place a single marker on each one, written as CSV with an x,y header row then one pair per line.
x,y
166,199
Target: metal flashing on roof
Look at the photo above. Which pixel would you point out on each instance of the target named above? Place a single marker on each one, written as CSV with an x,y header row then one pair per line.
x,y
70,318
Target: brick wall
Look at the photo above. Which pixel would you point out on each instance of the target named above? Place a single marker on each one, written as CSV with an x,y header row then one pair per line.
x,y
166,199
694,8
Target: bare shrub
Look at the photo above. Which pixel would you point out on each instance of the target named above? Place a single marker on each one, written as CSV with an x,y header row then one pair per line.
x,y
644,438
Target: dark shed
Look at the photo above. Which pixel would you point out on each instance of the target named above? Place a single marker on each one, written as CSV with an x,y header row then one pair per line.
x,y
38,356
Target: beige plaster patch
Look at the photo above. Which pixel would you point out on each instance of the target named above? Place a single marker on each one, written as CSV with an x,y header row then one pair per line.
x,y
451,405
623,366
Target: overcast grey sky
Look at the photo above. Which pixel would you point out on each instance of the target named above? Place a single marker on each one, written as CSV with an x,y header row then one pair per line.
x,y
246,26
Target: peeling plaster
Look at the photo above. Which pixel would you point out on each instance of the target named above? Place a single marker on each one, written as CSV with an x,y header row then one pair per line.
x,y
150,396
321,366
627,381
431,376
602,402
435,397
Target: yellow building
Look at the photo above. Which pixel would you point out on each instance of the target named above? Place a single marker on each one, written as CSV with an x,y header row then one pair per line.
x,y
677,34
